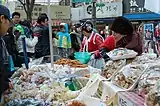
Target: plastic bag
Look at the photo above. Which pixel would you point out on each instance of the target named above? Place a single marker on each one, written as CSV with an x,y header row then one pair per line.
x,y
91,87
112,67
11,64
93,70
145,58
153,97
91,101
80,83
128,76
36,62
122,53
149,79
97,63
25,102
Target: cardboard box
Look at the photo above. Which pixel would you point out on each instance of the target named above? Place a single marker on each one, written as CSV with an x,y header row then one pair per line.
x,y
130,99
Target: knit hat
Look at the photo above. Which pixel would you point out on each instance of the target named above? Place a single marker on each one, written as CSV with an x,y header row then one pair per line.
x,y
122,26
87,26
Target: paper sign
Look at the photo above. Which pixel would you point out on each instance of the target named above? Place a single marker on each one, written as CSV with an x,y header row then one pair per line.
x,y
122,101
104,10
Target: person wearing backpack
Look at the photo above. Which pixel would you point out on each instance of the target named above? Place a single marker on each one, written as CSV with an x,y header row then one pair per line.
x,y
91,43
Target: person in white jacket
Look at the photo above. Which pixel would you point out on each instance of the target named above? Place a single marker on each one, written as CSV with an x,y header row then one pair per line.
x,y
30,41
30,46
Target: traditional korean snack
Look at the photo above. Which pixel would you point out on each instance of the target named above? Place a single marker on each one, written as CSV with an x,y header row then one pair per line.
x,y
72,63
38,84
149,79
112,67
122,53
76,103
128,76
153,97
145,58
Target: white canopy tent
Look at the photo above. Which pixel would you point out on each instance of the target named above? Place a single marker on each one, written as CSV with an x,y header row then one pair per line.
x,y
152,5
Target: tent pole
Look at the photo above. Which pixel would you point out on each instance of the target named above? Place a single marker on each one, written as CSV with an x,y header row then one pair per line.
x,y
50,33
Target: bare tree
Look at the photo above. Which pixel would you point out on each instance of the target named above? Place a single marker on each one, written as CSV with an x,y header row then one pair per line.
x,y
28,6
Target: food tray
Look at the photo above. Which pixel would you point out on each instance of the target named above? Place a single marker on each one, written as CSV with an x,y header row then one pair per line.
x,y
122,53
118,68
135,82
149,79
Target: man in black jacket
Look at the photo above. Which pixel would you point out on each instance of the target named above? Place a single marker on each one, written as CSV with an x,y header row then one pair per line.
x,y
41,30
5,24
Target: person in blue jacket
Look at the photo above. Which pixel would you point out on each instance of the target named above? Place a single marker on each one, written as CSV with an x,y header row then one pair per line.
x,y
64,40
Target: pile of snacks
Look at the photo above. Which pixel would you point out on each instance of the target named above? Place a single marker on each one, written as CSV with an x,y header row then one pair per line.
x,y
76,103
149,79
128,76
153,97
38,84
121,53
111,67
145,58
72,63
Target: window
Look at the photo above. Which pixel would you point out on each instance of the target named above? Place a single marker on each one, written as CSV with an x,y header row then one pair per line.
x,y
36,14
35,9
40,9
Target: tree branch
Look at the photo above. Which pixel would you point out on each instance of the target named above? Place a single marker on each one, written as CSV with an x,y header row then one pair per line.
x,y
27,4
23,4
32,5
28,7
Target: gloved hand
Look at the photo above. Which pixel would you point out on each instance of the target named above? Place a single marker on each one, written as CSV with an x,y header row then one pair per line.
x,y
103,53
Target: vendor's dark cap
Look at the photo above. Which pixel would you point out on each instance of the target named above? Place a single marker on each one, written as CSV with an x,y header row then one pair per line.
x,y
122,25
5,11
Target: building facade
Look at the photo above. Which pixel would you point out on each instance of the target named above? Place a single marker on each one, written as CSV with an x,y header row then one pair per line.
x,y
65,2
58,13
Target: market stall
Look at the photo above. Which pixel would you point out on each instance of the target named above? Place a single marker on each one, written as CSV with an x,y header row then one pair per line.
x,y
123,76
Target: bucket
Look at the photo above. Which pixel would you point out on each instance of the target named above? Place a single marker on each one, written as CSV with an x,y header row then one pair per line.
x,y
83,57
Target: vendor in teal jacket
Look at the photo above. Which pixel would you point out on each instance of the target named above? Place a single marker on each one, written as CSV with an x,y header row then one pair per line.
x,y
64,40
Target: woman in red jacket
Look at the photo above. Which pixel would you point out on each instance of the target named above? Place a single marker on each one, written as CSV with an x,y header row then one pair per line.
x,y
91,43
123,36
92,40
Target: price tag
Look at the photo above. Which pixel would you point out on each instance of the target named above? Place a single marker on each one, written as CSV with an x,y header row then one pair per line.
x,y
122,101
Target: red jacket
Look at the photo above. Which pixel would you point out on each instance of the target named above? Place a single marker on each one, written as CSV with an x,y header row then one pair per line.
x,y
92,44
109,43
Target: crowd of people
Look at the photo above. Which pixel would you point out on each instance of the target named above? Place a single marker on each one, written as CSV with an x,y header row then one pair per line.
x,y
83,38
